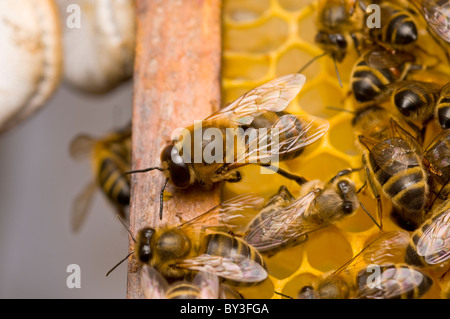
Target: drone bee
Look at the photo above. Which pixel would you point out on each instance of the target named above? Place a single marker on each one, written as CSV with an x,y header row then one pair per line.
x,y
437,156
443,107
286,222
375,73
204,286
357,279
430,244
111,158
200,245
277,136
394,165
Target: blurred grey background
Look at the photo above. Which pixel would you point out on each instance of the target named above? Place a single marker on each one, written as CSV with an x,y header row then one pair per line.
x,y
38,182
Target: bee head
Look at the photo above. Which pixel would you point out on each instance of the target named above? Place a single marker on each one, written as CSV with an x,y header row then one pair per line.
x,y
144,249
334,43
179,172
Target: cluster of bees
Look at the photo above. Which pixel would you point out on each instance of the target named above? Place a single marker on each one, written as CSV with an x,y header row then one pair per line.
x,y
394,113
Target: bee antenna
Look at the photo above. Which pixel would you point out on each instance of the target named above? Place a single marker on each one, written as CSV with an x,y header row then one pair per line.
x,y
310,62
161,199
368,214
118,264
282,295
337,72
339,109
126,227
144,170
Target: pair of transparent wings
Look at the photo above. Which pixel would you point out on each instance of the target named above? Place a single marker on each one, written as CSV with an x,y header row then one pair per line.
x,y
272,96
156,286
396,153
387,249
434,244
283,225
224,216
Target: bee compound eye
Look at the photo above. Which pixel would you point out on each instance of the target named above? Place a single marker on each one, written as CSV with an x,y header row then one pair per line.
x,y
178,170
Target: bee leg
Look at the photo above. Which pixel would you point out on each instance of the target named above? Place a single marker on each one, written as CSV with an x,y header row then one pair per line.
x,y
377,196
161,198
298,179
233,177
344,172
355,43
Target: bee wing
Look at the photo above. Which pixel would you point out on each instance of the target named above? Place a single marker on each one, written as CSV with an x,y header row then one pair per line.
x,y
383,59
436,14
236,268
81,146
391,156
153,284
283,225
81,205
208,284
391,283
388,248
434,244
273,96
271,143
438,152
225,213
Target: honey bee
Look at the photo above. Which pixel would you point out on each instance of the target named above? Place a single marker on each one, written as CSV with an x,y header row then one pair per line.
x,y
204,286
111,158
358,279
286,222
421,101
200,245
394,165
437,160
279,136
430,244
339,24
374,74
398,29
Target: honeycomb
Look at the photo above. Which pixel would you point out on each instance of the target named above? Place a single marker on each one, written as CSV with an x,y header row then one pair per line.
x,y
264,39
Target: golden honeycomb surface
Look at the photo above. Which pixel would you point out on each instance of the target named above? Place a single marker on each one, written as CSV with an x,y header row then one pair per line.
x,y
264,39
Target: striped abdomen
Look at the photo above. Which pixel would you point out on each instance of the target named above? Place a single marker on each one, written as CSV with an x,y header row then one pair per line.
x,y
369,84
113,182
183,290
221,244
394,282
397,28
443,107
406,186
